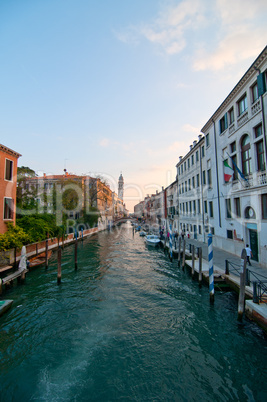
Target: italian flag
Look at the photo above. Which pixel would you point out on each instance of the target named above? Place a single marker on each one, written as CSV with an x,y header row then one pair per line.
x,y
228,171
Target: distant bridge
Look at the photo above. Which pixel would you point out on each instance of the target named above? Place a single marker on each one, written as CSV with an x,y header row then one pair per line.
x,y
124,219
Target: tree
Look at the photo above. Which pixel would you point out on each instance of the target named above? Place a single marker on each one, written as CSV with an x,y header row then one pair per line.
x,y
14,237
26,194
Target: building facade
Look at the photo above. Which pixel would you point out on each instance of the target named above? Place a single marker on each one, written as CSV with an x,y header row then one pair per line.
x,y
8,185
235,137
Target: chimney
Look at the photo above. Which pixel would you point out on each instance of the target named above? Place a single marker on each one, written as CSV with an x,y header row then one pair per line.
x,y
180,158
199,137
194,143
191,146
44,175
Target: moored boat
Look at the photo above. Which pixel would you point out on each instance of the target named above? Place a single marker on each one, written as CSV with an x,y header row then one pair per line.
x,y
5,305
152,240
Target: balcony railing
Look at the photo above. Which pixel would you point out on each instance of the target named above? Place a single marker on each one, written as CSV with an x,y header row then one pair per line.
x,y
242,119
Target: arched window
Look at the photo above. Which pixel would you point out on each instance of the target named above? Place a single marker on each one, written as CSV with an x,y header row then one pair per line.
x,y
246,155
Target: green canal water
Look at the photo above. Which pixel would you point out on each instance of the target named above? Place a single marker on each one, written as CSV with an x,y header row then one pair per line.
x,y
128,325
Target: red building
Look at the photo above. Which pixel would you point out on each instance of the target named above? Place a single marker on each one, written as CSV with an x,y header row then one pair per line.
x,y
8,186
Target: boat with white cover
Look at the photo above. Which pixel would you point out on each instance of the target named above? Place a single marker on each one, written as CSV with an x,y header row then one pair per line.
x,y
152,240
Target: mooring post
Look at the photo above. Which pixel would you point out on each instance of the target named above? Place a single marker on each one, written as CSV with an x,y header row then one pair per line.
x,y
15,259
75,254
183,263
255,293
46,254
179,252
241,299
193,260
36,248
211,276
226,267
200,266
170,241
59,265
82,233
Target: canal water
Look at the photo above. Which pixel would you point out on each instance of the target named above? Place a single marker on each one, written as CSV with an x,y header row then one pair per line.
x,y
128,325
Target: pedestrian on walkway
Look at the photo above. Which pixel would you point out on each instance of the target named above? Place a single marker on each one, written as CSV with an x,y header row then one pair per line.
x,y
249,254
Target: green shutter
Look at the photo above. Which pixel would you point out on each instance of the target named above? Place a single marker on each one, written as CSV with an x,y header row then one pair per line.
x,y
261,84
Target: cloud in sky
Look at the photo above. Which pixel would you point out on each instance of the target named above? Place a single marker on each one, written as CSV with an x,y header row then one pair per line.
x,y
230,24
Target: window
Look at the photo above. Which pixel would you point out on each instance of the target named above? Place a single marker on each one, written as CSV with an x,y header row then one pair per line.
x,y
234,164
8,208
205,207
182,188
185,187
199,229
231,116
242,105
193,181
207,140
264,206
209,178
198,206
223,123
228,208
203,151
211,209
192,159
233,147
9,170
258,131
246,157
179,171
188,163
185,166
186,206
204,176
212,230
254,91
237,207
189,184
194,207
260,156
190,207
197,156
229,234
197,180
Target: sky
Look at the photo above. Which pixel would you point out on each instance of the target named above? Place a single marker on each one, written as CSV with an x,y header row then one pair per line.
x,y
105,87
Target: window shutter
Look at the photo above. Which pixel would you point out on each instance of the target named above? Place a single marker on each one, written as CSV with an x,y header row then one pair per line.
x,y
261,84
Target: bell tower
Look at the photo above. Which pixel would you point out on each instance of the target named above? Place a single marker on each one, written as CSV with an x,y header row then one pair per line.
x,y
120,187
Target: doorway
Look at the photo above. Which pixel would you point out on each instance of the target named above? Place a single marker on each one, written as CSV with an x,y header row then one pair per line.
x,y
253,237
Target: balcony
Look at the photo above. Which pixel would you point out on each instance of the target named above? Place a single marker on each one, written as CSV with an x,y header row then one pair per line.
x,y
242,119
256,107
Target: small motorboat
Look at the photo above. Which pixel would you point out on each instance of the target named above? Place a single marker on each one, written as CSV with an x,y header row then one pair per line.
x,y
142,233
5,305
152,240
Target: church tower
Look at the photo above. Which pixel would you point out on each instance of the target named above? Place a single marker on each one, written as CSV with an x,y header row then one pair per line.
x,y
120,187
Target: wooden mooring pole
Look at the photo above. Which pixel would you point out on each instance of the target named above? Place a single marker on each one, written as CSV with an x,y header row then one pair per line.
x,y
200,266
183,263
193,260
241,298
59,265
46,254
75,254
179,252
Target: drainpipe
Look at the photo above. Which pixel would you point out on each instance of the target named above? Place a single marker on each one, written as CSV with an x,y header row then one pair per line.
x,y
216,162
